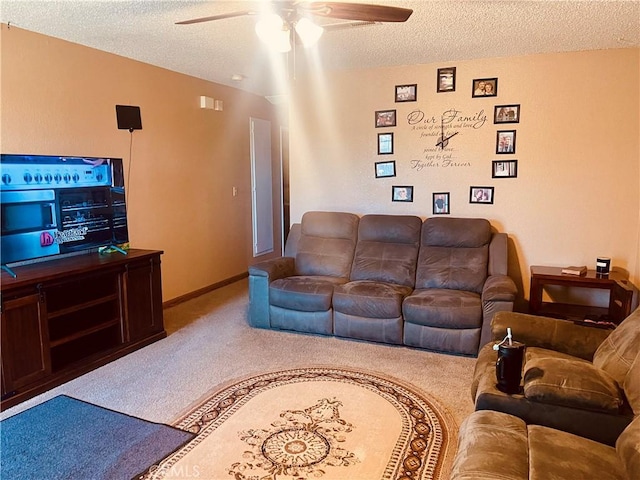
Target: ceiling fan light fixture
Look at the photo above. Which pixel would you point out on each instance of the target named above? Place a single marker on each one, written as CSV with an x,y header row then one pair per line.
x,y
274,32
308,32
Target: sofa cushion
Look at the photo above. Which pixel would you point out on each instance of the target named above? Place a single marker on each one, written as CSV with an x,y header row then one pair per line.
x,y
619,350
576,383
305,294
370,299
628,448
456,232
443,308
387,249
554,454
453,268
454,254
327,242
536,353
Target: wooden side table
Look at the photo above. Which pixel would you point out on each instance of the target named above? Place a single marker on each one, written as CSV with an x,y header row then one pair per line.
x,y
621,292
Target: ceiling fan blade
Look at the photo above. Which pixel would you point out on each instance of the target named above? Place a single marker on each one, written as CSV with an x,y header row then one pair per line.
x,y
217,17
358,11
331,27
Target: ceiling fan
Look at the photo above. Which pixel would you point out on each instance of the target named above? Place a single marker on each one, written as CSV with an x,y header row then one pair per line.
x,y
280,18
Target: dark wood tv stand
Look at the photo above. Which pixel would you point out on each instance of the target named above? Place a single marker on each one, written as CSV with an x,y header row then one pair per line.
x,y
65,317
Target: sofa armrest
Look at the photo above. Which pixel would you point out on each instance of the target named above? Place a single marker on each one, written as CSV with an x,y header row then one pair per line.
x,y
498,294
260,276
551,333
273,269
498,254
499,288
492,445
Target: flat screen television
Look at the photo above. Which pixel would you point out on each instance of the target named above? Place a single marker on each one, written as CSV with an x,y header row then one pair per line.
x,y
56,206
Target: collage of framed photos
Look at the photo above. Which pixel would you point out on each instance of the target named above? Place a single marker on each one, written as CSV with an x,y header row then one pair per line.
x,y
387,119
505,141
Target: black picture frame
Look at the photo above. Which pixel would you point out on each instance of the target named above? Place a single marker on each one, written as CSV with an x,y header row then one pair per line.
x,y
385,169
481,195
407,93
402,193
440,203
505,142
504,169
446,81
385,118
506,113
479,87
385,143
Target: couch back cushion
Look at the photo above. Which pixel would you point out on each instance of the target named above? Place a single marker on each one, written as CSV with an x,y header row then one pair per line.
x,y
454,254
327,242
387,249
619,352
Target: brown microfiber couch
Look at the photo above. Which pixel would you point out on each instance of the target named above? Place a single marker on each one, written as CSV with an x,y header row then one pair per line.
x,y
496,445
575,416
576,378
432,284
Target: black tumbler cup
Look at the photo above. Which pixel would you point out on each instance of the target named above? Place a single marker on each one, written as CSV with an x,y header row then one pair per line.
x,y
509,367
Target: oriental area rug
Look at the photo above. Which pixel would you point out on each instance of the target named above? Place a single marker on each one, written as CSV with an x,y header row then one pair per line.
x,y
313,423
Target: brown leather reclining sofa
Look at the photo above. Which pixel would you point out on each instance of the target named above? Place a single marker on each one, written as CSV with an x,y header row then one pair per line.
x,y
432,284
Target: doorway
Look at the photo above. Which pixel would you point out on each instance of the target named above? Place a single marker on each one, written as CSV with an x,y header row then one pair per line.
x,y
261,186
284,168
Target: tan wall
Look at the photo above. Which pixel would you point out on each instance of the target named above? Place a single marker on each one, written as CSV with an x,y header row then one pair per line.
x,y
577,145
58,98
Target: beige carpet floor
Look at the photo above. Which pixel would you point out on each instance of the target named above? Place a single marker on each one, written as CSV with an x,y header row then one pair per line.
x,y
210,344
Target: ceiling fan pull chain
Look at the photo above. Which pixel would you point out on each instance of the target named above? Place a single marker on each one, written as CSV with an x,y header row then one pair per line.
x,y
294,57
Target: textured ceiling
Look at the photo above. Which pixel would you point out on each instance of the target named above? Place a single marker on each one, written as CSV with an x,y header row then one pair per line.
x,y
438,31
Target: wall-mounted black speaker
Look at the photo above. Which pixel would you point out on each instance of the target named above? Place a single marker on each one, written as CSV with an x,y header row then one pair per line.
x,y
128,117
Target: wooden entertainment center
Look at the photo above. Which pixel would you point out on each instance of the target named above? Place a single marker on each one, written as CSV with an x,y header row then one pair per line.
x,y
65,317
